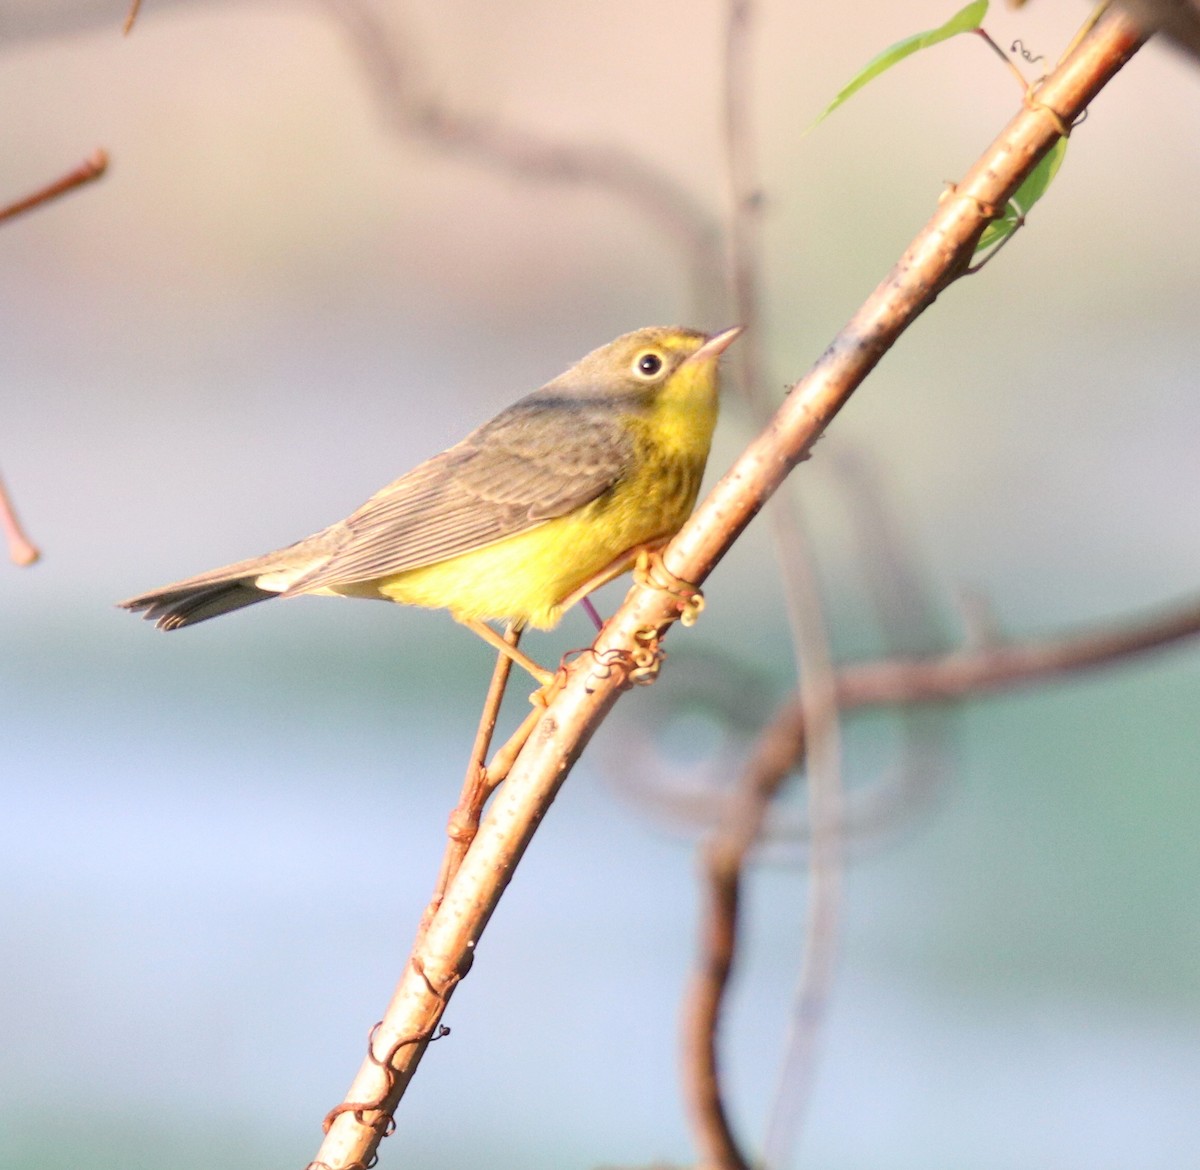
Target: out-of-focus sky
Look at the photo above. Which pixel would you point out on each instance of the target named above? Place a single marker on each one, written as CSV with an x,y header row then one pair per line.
x,y
215,846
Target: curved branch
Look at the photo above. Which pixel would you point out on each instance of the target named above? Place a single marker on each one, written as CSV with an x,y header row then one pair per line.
x,y
780,750
411,111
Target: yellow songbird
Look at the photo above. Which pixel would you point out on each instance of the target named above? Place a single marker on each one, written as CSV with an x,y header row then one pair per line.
x,y
528,514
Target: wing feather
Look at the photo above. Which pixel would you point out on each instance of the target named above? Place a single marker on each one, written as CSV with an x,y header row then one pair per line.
x,y
541,458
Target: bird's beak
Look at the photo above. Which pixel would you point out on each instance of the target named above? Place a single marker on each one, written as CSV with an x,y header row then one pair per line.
x,y
717,344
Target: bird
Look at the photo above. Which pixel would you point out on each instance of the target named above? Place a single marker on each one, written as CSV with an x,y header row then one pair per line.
x,y
559,493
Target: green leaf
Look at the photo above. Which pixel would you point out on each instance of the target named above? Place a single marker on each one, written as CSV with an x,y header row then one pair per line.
x,y
965,20
1025,196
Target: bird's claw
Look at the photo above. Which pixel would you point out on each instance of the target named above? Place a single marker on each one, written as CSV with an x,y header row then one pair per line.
x,y
650,570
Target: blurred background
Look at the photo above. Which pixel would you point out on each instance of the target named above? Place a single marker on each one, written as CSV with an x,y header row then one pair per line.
x,y
215,847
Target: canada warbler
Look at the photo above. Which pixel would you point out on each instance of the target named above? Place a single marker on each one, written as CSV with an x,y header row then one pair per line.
x,y
528,514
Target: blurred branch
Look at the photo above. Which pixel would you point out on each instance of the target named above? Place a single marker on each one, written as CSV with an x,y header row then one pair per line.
x,y
810,640
21,550
967,673
703,1090
745,200
1177,20
412,112
89,170
961,675
781,747
135,6
594,681
696,797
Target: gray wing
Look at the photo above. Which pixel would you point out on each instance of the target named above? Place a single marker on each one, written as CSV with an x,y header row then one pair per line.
x,y
541,458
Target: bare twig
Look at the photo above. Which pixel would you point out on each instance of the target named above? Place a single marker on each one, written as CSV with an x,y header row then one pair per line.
x,y
21,550
818,700
805,608
968,673
745,202
413,112
703,1090
89,170
594,681
135,6
965,674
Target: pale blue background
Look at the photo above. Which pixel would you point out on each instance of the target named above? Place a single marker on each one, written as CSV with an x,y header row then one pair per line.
x,y
215,847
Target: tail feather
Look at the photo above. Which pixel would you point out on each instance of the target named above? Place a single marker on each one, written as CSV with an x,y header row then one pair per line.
x,y
169,609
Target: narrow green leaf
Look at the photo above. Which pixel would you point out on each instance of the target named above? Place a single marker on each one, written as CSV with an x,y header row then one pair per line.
x,y
1026,195
965,20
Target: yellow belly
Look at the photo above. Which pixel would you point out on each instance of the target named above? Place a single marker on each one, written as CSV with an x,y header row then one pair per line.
x,y
527,577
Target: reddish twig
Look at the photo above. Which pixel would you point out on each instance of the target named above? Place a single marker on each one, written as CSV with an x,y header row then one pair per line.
x,y
21,550
88,171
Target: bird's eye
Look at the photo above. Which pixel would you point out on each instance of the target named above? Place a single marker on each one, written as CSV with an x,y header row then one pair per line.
x,y
648,364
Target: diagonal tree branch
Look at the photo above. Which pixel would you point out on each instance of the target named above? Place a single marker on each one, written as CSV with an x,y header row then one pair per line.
x,y
940,252
88,171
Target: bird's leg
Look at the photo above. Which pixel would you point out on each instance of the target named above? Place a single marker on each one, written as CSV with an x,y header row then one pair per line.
x,y
590,610
613,569
478,785
493,639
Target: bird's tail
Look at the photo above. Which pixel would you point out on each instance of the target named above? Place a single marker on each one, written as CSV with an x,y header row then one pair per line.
x,y
184,605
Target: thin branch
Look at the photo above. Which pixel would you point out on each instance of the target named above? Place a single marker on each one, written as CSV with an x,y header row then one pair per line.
x,y
745,200
594,681
905,682
413,112
88,171
810,639
806,619
703,1089
966,674
21,550
818,700
135,6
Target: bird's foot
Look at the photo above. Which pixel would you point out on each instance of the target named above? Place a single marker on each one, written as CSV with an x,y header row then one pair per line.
x,y
650,570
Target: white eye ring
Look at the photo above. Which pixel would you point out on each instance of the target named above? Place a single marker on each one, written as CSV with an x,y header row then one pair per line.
x,y
648,364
